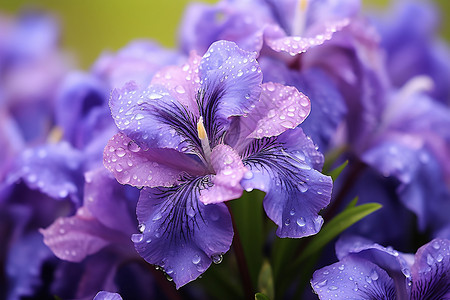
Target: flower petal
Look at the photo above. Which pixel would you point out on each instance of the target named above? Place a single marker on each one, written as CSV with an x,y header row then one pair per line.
x,y
132,165
53,169
179,233
183,82
295,191
280,108
229,171
392,261
230,84
152,118
276,38
111,203
74,238
102,295
431,271
353,278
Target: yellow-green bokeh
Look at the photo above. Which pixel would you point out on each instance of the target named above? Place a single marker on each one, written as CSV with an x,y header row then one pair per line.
x,y
92,26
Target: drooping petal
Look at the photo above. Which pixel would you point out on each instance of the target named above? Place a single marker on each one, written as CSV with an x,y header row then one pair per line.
x,y
276,38
295,191
133,165
74,238
179,233
53,169
279,109
353,278
229,171
152,118
183,82
230,85
431,271
109,202
102,295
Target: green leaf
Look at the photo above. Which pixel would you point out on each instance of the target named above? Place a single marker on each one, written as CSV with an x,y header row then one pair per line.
x,y
265,280
260,296
331,157
248,215
337,171
337,225
352,203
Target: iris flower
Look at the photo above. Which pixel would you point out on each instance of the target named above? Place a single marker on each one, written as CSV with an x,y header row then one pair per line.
x,y
198,136
370,271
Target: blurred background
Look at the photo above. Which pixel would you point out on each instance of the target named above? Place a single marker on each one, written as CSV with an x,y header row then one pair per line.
x,y
90,27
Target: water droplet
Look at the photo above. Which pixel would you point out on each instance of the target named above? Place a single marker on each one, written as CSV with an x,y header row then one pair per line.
x,y
119,168
157,216
292,212
301,222
356,287
322,283
180,89
228,171
302,187
62,231
271,113
436,245
287,222
287,124
137,237
120,152
196,259
333,288
240,73
141,227
228,160
190,212
374,275
139,117
154,96
217,258
430,260
439,257
270,86
150,177
133,147
341,267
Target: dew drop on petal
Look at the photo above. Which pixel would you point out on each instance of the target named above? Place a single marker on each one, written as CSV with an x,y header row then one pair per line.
x,y
133,147
270,86
180,89
196,259
120,152
217,258
301,222
141,227
137,237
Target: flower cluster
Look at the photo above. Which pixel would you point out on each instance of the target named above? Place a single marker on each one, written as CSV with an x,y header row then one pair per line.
x,y
148,167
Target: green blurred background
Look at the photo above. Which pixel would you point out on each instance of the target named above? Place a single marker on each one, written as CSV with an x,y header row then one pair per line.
x,y
92,26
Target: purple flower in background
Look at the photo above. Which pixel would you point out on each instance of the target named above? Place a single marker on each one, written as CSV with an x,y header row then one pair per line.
x,y
413,48
291,26
369,271
200,134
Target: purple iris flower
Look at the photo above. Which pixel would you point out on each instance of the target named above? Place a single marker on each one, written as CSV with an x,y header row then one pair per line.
x,y
369,271
291,26
198,136
414,49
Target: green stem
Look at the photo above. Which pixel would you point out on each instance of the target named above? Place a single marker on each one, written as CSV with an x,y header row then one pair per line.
x,y
249,292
